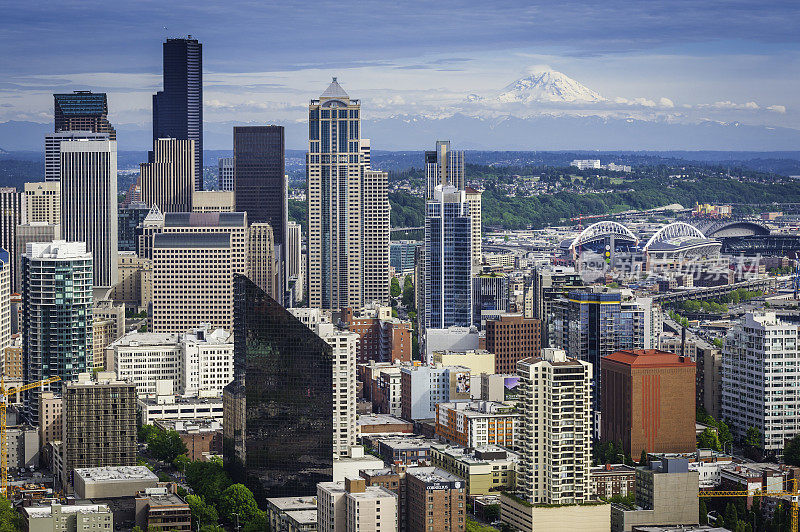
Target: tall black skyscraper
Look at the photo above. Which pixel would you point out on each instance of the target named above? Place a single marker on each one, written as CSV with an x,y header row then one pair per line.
x,y
278,425
178,109
259,178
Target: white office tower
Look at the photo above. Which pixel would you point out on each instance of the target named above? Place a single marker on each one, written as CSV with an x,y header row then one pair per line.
x,y
43,202
443,167
760,370
473,198
295,264
52,150
56,315
169,180
225,175
263,268
555,443
5,303
376,226
89,202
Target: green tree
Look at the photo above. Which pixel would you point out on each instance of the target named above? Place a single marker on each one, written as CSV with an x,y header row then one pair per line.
x,y
408,293
212,528
166,445
752,438
207,479
491,512
181,462
10,519
137,528
791,451
703,512
202,513
257,523
394,287
731,517
146,432
237,500
708,440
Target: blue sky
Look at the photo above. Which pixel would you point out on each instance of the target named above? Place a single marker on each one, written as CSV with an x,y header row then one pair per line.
x,y
263,60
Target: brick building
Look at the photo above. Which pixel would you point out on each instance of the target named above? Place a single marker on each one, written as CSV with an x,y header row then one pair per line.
x,y
610,480
512,338
202,437
435,500
648,401
382,337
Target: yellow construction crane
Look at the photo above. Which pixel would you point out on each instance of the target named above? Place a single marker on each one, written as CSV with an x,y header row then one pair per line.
x,y
4,395
792,493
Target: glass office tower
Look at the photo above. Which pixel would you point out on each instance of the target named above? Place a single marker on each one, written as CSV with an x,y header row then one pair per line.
x,y
278,424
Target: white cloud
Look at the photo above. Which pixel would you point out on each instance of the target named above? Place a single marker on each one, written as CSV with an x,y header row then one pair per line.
x,y
778,109
666,102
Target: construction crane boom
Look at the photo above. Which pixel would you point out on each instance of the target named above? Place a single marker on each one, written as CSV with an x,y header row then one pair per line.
x,y
792,493
4,395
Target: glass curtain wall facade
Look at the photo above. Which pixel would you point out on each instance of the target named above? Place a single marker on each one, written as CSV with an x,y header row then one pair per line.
x,y
278,424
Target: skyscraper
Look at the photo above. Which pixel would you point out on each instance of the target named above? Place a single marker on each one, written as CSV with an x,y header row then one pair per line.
x,y
554,462
168,181
295,265
444,167
130,216
56,314
31,232
282,388
473,198
82,111
52,149
448,260
12,214
178,109
5,301
225,173
262,265
89,202
334,169
259,180
376,237
192,281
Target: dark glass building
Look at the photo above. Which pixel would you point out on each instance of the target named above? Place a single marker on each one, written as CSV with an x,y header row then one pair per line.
x,y
178,109
278,421
259,177
82,111
130,217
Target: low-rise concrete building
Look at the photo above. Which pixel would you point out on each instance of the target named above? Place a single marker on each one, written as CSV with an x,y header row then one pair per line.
x,y
163,510
485,469
283,513
383,424
522,515
666,494
477,360
409,450
58,518
112,481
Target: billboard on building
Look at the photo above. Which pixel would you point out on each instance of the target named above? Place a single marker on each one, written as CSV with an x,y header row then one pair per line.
x,y
511,389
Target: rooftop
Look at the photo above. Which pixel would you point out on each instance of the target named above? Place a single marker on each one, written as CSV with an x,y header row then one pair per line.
x,y
335,91
480,455
303,517
381,419
294,503
115,473
46,511
649,358
432,474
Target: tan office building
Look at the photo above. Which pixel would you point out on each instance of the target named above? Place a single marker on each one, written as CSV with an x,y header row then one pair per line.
x,y
192,281
168,181
262,267
213,201
43,202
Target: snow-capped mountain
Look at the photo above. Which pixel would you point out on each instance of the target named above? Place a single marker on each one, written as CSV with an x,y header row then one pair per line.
x,y
547,86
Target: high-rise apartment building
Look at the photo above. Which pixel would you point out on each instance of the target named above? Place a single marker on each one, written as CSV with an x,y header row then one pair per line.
x,y
295,260
263,267
56,314
646,395
52,150
12,214
473,198
169,179
225,173
376,228
443,167
32,232
760,357
282,388
82,111
512,338
259,178
43,202
448,260
101,427
89,202
178,109
192,281
351,505
555,440
334,168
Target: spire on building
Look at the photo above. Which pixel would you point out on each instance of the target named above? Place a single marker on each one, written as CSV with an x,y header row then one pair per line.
x,y
335,91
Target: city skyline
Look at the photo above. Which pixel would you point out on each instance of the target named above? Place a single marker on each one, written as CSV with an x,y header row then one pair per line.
x,y
704,65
